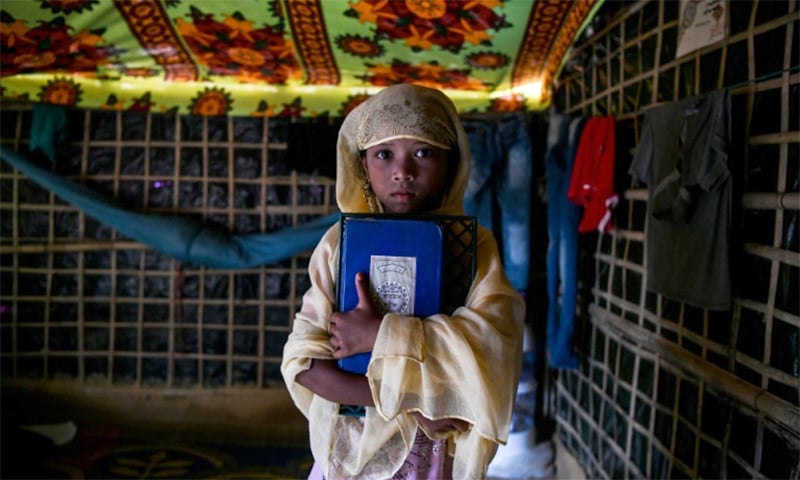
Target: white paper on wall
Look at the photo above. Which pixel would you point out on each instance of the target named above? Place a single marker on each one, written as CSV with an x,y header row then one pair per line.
x,y
702,22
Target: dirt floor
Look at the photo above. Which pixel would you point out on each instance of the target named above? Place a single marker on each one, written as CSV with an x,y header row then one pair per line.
x,y
150,434
104,452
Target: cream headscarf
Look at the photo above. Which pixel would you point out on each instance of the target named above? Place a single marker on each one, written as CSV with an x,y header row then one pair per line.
x,y
399,111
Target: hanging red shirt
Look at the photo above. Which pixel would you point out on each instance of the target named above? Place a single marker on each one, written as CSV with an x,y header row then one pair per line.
x,y
592,182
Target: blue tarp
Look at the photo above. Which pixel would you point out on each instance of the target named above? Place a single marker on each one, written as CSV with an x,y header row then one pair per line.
x,y
179,237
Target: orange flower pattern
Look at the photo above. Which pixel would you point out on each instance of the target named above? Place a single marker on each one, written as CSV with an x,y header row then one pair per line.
x,y
50,46
446,44
61,91
360,46
211,102
351,103
511,103
427,74
488,60
69,6
423,24
235,47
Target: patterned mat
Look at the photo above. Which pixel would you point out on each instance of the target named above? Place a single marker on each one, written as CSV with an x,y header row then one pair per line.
x,y
110,454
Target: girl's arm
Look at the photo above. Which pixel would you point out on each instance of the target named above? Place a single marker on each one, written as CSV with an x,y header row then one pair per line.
x,y
327,380
350,333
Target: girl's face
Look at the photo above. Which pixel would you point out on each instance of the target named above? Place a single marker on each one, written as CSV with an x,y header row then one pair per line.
x,y
407,175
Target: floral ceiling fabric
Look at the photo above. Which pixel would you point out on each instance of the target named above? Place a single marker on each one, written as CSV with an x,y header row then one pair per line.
x,y
282,57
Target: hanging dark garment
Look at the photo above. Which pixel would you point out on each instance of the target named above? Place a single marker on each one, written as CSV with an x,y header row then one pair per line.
x,y
563,218
683,158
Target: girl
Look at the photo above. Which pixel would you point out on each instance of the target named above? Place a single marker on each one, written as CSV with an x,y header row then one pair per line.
x,y
439,391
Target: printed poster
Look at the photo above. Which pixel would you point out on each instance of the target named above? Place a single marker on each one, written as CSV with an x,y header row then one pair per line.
x,y
702,22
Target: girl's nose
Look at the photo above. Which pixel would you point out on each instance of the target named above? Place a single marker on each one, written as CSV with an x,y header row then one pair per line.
x,y
404,171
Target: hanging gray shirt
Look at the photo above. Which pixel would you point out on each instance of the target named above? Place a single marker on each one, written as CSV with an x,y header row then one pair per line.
x,y
683,158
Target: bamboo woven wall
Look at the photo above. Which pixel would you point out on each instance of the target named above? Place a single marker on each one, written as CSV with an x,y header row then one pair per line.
x,y
667,390
83,304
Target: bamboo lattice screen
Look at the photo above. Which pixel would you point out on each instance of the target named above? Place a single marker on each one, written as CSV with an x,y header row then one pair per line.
x,y
80,302
668,390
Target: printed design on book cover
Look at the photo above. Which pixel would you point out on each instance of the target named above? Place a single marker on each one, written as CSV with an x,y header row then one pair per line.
x,y
394,280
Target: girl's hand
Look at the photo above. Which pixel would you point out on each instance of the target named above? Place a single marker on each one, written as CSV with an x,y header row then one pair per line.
x,y
355,331
442,426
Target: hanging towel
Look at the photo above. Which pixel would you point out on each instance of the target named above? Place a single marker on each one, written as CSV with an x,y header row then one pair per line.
x,y
48,129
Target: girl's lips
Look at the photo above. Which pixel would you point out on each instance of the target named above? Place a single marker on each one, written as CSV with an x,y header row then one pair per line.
x,y
403,194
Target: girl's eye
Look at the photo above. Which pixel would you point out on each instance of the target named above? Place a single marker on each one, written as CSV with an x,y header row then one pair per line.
x,y
424,153
383,154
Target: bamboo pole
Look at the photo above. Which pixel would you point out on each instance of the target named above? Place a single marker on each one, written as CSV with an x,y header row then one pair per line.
x,y
72,247
745,394
771,201
788,257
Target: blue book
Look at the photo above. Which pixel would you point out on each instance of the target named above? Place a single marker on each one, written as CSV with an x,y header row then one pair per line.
x,y
402,259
